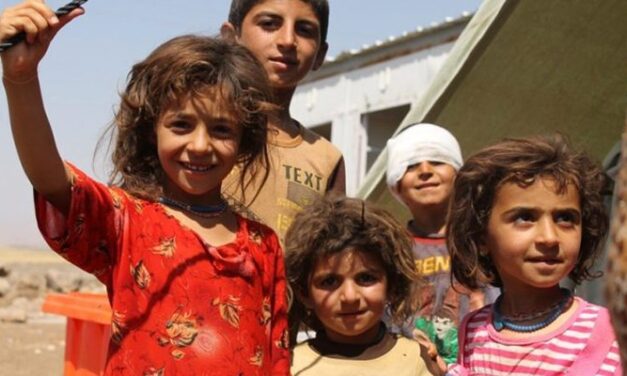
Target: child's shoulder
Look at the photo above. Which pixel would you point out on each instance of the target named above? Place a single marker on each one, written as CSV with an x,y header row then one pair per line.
x,y
591,311
588,305
313,138
303,354
479,313
257,232
601,350
80,180
476,320
587,310
78,177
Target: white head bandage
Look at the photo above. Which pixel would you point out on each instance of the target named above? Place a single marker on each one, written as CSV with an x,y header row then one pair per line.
x,y
418,143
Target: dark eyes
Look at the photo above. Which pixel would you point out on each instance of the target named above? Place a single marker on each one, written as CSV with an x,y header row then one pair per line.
x,y
523,217
303,28
222,130
331,282
180,125
307,29
269,23
219,130
366,279
567,218
328,282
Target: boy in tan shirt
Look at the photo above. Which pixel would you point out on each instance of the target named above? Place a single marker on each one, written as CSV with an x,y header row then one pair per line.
x,y
288,37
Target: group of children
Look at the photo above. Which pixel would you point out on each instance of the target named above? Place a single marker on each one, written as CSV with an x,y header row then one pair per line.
x,y
205,148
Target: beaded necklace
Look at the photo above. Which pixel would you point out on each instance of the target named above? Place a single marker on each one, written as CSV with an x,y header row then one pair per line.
x,y
205,211
501,321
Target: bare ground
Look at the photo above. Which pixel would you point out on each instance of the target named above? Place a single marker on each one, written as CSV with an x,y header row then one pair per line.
x,y
33,348
36,347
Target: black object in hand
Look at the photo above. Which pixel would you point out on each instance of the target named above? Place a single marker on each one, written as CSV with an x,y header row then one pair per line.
x,y
67,8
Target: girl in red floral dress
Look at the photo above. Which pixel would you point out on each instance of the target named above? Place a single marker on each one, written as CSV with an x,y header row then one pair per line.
x,y
195,289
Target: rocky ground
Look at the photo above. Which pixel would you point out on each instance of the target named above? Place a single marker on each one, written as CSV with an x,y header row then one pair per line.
x,y
33,342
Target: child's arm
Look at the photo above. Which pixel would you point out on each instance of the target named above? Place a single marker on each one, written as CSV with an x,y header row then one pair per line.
x,y
32,134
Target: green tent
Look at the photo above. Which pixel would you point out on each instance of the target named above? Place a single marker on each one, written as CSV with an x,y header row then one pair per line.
x,y
525,67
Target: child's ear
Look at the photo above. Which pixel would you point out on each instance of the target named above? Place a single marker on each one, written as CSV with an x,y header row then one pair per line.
x,y
483,248
322,54
228,32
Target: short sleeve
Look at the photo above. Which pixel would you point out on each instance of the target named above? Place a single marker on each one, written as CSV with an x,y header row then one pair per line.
x,y
88,236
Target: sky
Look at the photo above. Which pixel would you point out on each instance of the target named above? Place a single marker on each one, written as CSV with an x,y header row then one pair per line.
x,y
87,64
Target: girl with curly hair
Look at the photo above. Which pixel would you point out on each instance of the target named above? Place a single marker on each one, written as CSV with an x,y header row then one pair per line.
x,y
194,288
348,263
525,214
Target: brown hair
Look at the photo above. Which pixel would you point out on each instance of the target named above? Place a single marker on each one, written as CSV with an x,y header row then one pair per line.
x,y
333,224
187,65
240,8
521,161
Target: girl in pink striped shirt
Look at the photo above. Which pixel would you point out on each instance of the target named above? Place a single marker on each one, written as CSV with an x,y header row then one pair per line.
x,y
525,214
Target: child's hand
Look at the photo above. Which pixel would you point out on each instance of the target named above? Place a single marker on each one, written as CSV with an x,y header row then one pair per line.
x,y
434,361
40,24
423,339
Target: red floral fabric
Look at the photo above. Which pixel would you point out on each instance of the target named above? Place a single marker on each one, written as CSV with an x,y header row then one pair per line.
x,y
180,306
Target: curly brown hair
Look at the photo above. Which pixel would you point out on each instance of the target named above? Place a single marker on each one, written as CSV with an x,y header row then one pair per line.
x,y
189,65
333,224
522,161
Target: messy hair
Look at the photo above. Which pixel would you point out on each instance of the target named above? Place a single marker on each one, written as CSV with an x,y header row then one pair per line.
x,y
521,161
194,66
240,8
333,224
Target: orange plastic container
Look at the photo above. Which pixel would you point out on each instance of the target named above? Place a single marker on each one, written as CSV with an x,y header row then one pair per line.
x,y
87,332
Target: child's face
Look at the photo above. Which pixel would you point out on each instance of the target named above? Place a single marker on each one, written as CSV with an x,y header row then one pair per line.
x,y
533,235
284,35
427,184
197,143
347,292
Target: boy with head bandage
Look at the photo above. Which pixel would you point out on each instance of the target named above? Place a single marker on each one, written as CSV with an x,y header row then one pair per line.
x,y
423,161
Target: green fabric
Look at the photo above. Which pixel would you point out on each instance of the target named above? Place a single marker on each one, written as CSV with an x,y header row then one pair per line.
x,y
447,346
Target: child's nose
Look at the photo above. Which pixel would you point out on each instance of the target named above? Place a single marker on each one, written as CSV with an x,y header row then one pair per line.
x,y
425,168
349,292
547,233
287,36
200,142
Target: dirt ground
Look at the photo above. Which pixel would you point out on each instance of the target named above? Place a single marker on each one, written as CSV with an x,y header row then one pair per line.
x,y
38,346
33,348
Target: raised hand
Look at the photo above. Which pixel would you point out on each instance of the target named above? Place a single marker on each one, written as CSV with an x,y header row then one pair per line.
x,y
39,24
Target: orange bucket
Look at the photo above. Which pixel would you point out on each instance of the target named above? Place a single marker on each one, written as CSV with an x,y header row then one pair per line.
x,y
87,331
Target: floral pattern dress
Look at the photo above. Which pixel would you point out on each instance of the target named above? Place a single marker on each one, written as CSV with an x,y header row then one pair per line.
x,y
180,306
